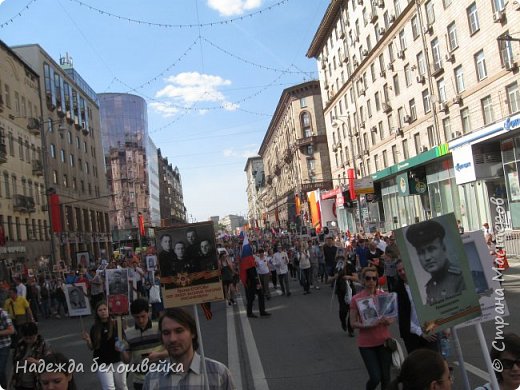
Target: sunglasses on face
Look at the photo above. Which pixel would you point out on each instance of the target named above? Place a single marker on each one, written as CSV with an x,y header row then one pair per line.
x,y
509,363
369,278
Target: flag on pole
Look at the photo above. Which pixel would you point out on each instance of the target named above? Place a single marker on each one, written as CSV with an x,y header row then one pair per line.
x,y
247,259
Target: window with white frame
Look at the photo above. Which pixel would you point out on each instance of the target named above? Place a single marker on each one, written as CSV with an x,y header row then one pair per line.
x,y
417,142
513,98
506,52
378,101
446,127
459,79
415,27
397,89
407,75
488,113
441,88
465,120
402,39
430,13
413,109
395,158
381,62
365,18
452,36
473,18
397,8
386,18
426,100
432,139
400,116
406,152
446,3
381,130
480,65
369,108
421,63
376,162
385,159
373,71
391,54
436,54
499,5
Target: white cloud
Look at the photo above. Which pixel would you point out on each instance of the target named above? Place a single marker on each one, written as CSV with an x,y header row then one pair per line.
x,y
233,7
164,108
247,151
189,88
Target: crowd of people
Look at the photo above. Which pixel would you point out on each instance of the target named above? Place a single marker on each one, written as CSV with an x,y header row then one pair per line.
x,y
357,269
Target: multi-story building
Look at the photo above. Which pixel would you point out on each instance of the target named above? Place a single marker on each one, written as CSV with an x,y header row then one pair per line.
x,y
423,97
124,126
172,206
254,170
153,186
24,218
232,223
73,156
295,155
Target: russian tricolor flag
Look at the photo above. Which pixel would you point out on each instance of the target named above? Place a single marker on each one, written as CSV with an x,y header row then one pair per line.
x,y
247,259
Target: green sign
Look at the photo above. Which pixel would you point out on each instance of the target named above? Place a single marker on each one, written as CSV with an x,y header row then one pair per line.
x,y
403,185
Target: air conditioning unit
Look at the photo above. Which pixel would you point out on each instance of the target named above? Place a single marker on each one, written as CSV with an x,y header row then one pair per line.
x,y
360,2
400,54
362,91
356,38
450,57
382,31
390,66
443,106
428,29
424,149
407,119
511,65
356,63
364,52
421,79
359,156
391,18
356,134
499,16
373,129
456,134
457,100
386,107
381,3
366,152
399,131
362,124
382,73
373,17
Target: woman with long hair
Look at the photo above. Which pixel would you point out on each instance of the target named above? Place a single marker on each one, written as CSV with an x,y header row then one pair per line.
x,y
423,369
57,374
373,330
102,340
228,274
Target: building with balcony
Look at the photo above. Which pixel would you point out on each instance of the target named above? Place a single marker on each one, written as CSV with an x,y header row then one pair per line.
x,y
423,98
172,206
232,223
254,170
24,218
67,112
295,156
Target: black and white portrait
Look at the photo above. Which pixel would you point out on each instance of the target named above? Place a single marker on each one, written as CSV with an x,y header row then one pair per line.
x,y
76,297
116,281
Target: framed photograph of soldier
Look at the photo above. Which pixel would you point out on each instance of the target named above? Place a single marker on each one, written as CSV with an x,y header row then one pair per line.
x,y
76,297
442,285
485,277
83,259
188,264
373,308
118,289
151,263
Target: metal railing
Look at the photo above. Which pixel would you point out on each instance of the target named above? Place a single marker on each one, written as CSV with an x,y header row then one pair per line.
x,y
512,242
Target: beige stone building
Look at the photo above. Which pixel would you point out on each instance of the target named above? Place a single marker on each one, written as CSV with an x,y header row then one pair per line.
x,y
423,98
69,118
255,177
295,155
23,205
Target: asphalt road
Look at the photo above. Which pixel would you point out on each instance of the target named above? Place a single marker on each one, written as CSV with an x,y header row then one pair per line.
x,y
301,346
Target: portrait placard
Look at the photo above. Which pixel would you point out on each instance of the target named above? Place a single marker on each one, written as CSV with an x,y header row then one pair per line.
x,y
151,263
77,300
485,277
82,259
188,264
441,286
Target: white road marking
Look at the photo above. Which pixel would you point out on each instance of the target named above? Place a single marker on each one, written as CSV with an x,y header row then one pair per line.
x,y
257,370
233,357
475,370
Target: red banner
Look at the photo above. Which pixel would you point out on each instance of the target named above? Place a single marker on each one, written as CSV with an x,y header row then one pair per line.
x,y
352,182
141,224
54,204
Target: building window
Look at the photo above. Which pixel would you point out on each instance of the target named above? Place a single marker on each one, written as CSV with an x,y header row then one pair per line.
x,y
413,109
381,130
397,8
465,120
14,183
417,143
17,103
446,3
459,77
426,101
407,75
397,91
432,139
480,64
452,36
487,110
506,52
446,127
20,148
430,13
378,101
400,116
415,27
406,153
436,54
11,143
6,185
402,39
499,5
441,88
62,155
376,162
18,229
513,98
53,151
421,63
391,54
306,124
65,181
395,158
55,177
473,18
385,159
71,160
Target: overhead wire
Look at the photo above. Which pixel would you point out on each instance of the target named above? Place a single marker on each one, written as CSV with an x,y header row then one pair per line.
x,y
18,15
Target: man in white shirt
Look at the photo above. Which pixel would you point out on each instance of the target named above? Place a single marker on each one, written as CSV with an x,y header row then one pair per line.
x,y
262,268
281,261
21,290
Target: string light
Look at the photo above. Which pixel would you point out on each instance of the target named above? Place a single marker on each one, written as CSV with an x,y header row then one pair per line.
x,y
255,64
19,14
167,25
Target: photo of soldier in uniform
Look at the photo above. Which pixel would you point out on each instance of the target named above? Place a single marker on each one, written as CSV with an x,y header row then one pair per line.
x,y
444,277
116,281
76,298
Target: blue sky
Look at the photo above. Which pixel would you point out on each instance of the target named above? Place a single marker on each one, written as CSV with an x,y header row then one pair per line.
x,y
211,71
